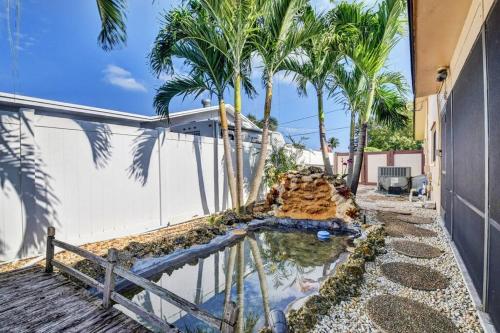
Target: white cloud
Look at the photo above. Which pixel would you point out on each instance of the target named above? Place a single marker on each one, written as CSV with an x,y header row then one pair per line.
x,y
122,78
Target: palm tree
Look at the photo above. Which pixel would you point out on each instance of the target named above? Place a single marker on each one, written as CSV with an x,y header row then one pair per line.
x,y
235,22
376,35
113,30
281,31
315,66
349,84
333,142
389,101
209,72
259,266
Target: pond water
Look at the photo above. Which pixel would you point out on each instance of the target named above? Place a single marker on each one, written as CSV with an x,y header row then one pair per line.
x,y
293,264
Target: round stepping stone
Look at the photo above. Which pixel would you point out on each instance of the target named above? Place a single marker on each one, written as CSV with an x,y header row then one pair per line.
x,y
415,219
415,249
402,229
388,217
394,314
414,276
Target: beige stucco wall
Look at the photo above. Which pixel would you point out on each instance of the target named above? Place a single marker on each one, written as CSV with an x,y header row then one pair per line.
x,y
432,169
428,107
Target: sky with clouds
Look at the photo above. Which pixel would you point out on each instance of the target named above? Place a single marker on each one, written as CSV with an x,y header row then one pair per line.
x,y
49,50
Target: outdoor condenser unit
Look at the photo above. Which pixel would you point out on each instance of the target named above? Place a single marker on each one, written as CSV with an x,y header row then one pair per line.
x,y
394,180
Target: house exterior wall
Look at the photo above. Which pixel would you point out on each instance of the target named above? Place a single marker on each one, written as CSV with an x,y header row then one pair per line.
x,y
466,172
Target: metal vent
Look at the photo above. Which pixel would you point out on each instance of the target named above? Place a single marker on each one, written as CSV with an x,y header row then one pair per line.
x,y
394,172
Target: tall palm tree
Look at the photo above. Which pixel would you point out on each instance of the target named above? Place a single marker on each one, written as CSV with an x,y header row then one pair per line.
x,y
315,66
281,31
389,101
259,266
113,29
236,23
209,72
349,84
376,35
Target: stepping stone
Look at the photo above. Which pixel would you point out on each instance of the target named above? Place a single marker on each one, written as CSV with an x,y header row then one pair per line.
x,y
394,314
387,217
402,229
416,249
414,276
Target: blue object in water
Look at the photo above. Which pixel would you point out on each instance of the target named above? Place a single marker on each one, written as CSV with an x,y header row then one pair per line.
x,y
323,235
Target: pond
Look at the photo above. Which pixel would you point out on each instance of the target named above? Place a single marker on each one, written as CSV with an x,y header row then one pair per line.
x,y
285,267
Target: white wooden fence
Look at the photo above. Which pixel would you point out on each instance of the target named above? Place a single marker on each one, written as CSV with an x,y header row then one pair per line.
x,y
98,174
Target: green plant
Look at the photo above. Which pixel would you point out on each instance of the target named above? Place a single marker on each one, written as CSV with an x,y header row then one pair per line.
x,y
282,159
282,29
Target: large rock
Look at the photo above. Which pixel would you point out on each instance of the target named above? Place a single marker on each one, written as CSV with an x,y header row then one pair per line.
x,y
309,194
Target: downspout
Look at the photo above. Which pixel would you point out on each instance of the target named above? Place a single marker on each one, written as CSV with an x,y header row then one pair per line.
x,y
412,57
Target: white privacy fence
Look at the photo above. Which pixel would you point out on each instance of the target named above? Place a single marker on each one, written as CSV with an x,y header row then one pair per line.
x,y
99,176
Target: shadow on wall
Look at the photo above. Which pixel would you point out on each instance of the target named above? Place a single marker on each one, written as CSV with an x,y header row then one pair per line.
x,y
22,167
142,150
201,181
24,170
99,138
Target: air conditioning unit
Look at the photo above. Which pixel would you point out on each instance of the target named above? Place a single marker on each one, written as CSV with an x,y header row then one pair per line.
x,y
394,180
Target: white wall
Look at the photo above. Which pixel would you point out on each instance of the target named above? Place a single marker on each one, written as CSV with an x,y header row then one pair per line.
x,y
96,178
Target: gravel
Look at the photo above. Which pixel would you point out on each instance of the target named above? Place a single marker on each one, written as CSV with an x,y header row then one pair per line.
x,y
453,302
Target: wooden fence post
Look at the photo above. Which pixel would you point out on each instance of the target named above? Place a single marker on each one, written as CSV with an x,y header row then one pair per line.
x,y
230,318
49,255
109,278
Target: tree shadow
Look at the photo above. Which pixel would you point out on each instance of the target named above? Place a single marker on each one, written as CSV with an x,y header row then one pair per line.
x,y
142,149
99,138
201,180
23,169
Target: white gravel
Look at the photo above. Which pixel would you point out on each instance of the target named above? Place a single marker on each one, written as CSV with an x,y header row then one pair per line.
x,y
454,301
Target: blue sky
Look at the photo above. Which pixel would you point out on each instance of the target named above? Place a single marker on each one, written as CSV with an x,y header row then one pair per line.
x,y
54,55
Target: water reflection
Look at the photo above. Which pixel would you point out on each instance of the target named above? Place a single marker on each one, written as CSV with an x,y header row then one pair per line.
x,y
267,270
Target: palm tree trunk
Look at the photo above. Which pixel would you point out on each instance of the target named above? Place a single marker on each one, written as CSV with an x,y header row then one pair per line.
x,y
350,162
359,160
259,265
261,163
322,135
239,143
362,139
240,287
228,159
229,275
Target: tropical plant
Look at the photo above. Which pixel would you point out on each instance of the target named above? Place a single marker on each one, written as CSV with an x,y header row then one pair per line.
x,y
383,137
273,122
113,29
333,142
282,159
376,34
282,29
315,65
236,23
209,70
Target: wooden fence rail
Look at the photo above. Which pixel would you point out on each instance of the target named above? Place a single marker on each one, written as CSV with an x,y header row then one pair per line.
x,y
226,324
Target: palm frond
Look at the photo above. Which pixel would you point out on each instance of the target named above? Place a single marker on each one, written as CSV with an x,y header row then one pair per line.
x,y
113,29
177,86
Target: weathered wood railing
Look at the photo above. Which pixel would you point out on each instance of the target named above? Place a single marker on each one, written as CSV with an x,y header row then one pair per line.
x,y
226,324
